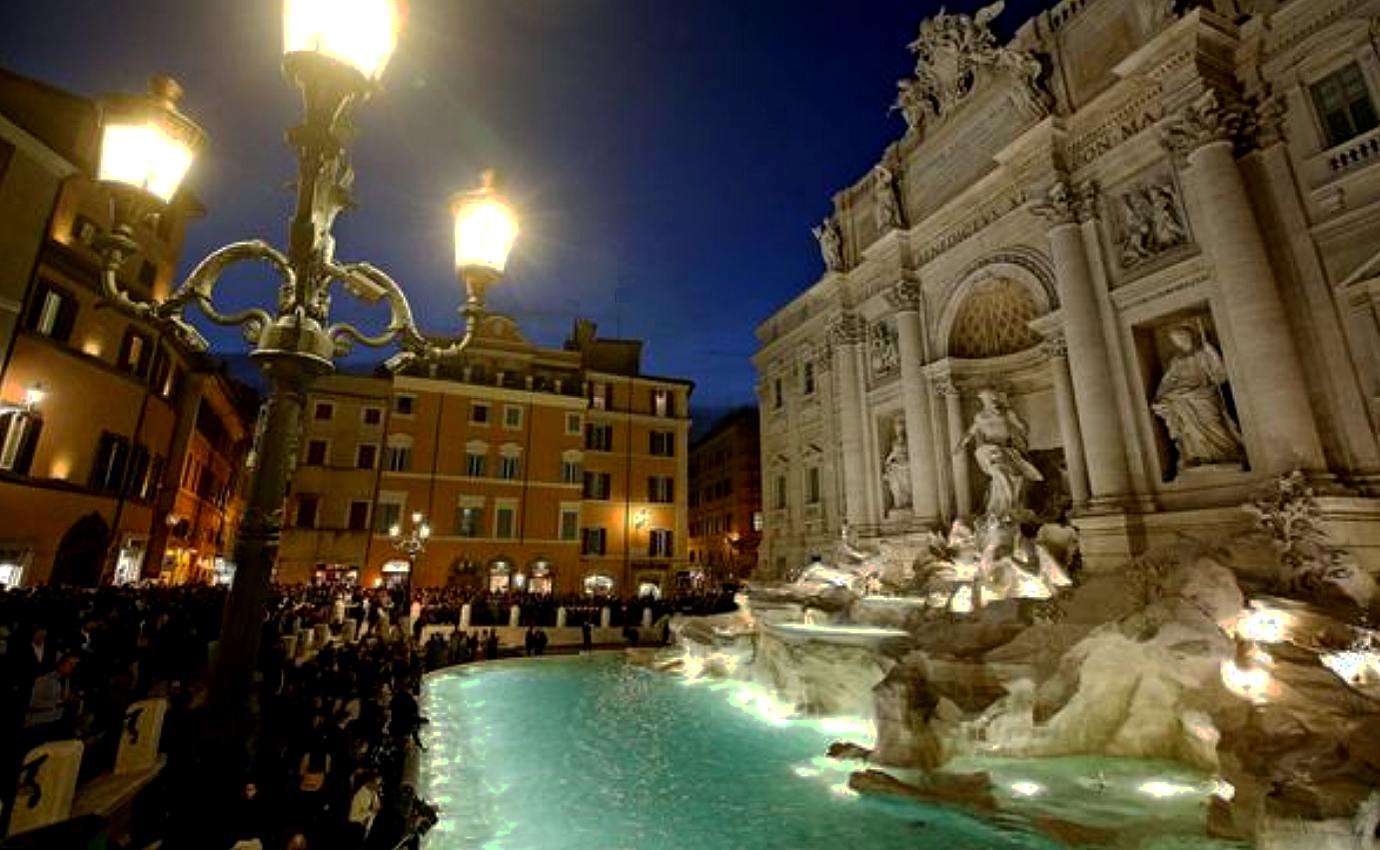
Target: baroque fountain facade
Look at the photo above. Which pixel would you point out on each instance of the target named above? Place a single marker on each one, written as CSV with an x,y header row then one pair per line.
x,y
1105,314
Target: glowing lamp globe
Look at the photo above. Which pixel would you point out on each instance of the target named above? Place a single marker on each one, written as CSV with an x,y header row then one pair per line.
x,y
360,34
485,229
146,144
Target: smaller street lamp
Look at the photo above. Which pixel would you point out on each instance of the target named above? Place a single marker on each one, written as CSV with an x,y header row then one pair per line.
x,y
411,544
33,397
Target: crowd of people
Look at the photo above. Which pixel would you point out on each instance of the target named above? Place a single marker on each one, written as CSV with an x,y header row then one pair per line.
x,y
334,726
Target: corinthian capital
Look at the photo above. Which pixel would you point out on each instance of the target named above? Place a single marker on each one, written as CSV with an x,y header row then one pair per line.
x,y
904,296
848,329
1204,121
1059,206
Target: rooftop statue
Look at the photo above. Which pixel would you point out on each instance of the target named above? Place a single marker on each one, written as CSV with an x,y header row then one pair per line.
x,y
955,55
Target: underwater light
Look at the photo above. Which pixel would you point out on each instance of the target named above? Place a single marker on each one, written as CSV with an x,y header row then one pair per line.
x,y
1159,789
1027,789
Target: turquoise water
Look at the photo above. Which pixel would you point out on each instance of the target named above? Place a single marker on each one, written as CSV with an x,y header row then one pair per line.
x,y
595,754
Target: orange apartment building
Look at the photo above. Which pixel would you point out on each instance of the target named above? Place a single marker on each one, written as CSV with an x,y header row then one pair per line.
x,y
726,498
86,472
550,470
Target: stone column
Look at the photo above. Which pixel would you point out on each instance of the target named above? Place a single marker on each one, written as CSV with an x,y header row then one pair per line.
x,y
963,485
1265,362
847,336
1088,360
1069,433
465,613
560,617
924,480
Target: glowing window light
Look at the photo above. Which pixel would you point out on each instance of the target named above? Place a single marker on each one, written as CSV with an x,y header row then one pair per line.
x,y
359,33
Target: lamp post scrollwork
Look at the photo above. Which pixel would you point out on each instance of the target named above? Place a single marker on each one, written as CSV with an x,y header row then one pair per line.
x,y
334,55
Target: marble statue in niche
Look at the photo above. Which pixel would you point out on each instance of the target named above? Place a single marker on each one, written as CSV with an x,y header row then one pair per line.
x,y
1191,402
830,244
999,439
888,203
883,350
1152,222
896,466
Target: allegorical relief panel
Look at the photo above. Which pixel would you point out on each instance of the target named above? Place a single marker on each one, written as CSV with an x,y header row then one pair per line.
x,y
1147,221
1191,398
883,351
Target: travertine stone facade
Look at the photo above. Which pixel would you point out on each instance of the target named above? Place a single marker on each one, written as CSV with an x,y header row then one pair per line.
x,y
1151,229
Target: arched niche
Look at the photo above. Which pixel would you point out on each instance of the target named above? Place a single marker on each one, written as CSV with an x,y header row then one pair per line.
x,y
988,313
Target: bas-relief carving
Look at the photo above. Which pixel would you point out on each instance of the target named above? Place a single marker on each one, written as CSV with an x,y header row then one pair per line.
x,y
955,56
896,466
999,440
1148,220
883,350
1191,400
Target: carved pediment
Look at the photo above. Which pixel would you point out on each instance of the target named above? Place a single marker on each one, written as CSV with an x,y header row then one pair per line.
x,y
955,56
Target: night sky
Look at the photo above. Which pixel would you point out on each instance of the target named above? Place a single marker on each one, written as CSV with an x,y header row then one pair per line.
x,y
667,158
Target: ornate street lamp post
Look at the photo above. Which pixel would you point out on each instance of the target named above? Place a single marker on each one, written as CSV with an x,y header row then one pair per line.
x,y
334,52
412,545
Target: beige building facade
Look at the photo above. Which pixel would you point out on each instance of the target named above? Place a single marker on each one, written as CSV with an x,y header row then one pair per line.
x,y
1148,233
538,469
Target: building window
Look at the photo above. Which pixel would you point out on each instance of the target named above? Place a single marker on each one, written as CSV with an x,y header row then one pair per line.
x,y
479,413
474,464
659,543
404,405
148,273
366,456
509,468
757,521
372,416
469,521
18,439
596,485
387,516
316,453
593,541
570,523
599,395
663,443
777,396
807,377
512,417
661,402
1344,105
661,489
307,503
112,458
398,458
599,438
358,519
573,423
134,353
812,485
323,412
780,502
52,313
505,518
84,230
572,472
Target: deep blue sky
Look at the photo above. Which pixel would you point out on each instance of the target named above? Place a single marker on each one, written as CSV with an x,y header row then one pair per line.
x,y
668,158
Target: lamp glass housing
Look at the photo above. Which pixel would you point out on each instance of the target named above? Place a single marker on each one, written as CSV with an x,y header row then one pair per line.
x,y
359,33
146,144
485,229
